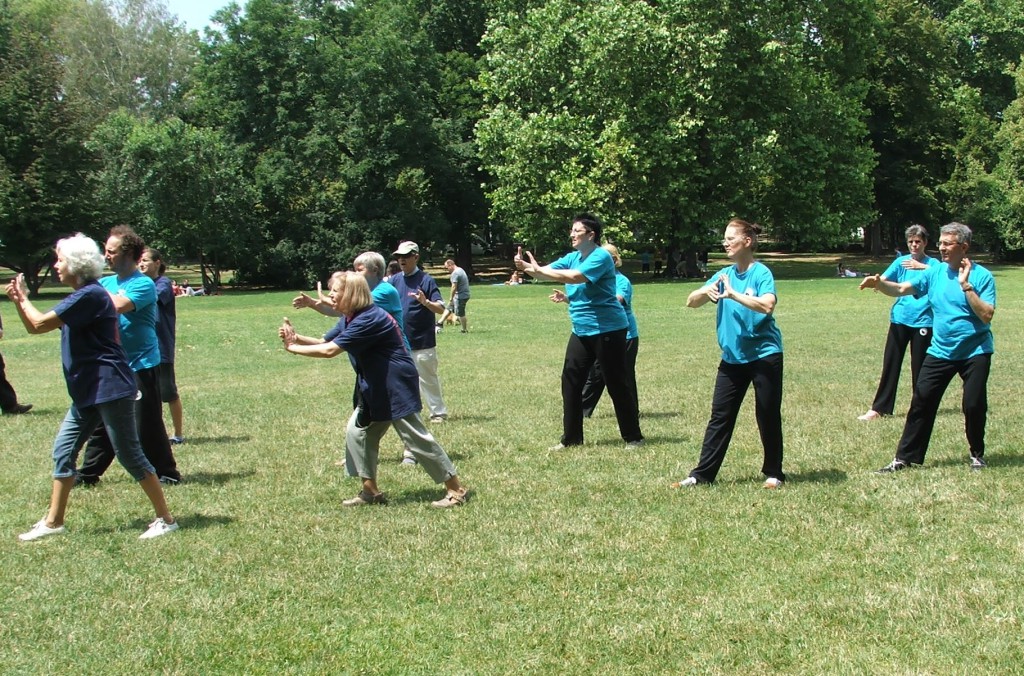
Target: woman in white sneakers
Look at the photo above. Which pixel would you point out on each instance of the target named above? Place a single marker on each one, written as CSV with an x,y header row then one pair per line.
x,y
99,380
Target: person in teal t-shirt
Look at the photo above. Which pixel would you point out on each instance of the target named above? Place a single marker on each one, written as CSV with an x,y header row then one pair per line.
x,y
599,327
751,354
594,387
962,296
135,299
910,322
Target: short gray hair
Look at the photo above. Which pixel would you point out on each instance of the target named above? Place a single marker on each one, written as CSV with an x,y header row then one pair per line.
x,y
962,232
916,231
372,261
83,257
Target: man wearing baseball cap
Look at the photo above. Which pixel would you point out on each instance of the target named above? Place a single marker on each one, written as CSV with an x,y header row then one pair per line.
x,y
421,303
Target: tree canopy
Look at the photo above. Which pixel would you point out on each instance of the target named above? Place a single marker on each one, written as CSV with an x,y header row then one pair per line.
x,y
297,133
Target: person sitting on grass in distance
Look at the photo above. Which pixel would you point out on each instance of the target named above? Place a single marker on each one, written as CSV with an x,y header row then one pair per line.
x,y
388,388
751,354
99,380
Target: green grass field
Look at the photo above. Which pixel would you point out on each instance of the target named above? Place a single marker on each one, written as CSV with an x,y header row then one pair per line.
x,y
582,561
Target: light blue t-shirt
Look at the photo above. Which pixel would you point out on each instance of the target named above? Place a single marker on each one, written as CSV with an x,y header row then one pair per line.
x,y
138,327
957,333
743,334
909,310
593,307
624,288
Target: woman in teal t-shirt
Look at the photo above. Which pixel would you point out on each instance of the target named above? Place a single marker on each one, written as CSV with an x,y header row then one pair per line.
x,y
599,328
910,322
751,354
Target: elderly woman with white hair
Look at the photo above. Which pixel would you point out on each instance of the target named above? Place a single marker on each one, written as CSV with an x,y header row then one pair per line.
x,y
99,380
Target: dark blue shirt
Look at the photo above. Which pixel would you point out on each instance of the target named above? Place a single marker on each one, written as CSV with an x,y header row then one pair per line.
x,y
95,365
419,320
166,320
385,373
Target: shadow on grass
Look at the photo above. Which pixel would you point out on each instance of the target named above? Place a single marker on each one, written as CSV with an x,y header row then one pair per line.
x,y
191,522
225,439
215,478
463,418
818,476
993,460
421,496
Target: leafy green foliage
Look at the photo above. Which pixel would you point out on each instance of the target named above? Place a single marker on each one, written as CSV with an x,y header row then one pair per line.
x,y
183,186
644,112
44,192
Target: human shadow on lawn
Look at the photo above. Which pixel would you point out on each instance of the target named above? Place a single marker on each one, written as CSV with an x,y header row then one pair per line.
x,y
422,496
192,522
817,476
993,459
225,439
215,478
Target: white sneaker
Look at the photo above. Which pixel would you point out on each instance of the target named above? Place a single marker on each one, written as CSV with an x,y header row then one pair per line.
x,y
158,528
870,415
772,482
40,530
688,482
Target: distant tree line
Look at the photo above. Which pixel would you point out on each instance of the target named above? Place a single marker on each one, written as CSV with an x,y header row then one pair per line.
x,y
296,133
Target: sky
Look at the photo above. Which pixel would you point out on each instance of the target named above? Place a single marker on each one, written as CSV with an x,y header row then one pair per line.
x,y
195,13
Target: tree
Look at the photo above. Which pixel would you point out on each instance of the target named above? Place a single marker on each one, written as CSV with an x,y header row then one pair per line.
x,y
182,186
44,192
668,118
118,54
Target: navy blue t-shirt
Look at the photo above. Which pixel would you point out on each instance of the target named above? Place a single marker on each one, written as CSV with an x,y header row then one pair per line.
x,y
385,373
419,320
95,365
166,320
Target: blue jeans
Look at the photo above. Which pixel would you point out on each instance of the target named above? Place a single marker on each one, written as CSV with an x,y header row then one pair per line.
x,y
118,418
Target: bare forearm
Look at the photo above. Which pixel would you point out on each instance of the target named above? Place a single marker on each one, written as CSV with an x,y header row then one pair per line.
x,y
545,273
34,320
764,304
984,311
320,350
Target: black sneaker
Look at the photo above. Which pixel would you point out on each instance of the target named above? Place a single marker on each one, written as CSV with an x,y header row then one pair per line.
x,y
18,409
977,464
170,480
894,466
86,480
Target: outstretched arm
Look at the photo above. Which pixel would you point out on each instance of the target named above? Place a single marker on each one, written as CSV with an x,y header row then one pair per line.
x,y
309,347
34,320
530,266
892,289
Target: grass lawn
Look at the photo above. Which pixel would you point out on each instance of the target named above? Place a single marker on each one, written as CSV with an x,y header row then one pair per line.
x,y
580,561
